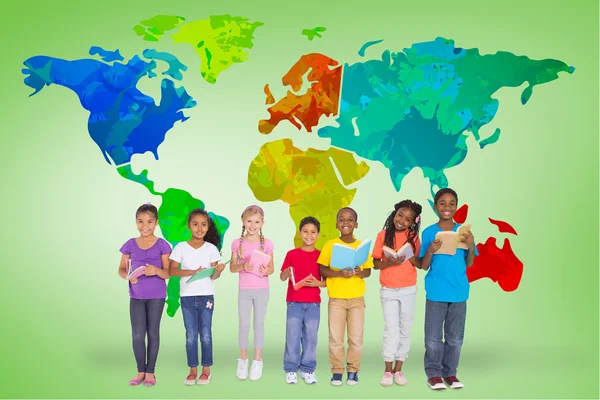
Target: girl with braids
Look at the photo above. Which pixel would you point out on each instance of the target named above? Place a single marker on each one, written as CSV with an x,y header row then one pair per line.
x,y
198,297
253,289
398,291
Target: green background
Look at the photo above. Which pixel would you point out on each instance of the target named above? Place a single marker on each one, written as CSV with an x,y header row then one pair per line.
x,y
64,316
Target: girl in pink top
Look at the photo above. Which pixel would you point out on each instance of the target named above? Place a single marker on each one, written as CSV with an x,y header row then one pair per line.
x,y
253,287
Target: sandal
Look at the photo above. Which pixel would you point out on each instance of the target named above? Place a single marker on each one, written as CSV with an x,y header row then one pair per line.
x,y
150,382
135,382
190,380
204,381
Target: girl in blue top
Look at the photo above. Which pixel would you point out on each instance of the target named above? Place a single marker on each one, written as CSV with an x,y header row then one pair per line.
x,y
447,291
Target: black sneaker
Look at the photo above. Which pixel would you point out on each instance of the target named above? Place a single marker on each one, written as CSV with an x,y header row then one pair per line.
x,y
336,379
352,378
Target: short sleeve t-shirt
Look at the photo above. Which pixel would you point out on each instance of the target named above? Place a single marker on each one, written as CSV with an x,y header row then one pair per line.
x,y
247,279
341,287
147,287
446,280
192,259
303,263
396,276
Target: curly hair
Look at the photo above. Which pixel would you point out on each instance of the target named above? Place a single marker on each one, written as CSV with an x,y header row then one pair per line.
x,y
413,230
212,235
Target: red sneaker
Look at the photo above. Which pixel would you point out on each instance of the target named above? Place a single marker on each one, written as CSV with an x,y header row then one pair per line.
x,y
436,383
453,382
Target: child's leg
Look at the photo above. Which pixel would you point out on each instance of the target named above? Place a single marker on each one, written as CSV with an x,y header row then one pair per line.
x,y
310,334
356,327
261,300
190,320
137,315
293,331
391,316
244,310
205,315
154,310
454,332
337,325
406,298
435,314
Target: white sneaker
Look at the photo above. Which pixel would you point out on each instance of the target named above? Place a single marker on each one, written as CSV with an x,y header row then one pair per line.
x,y
309,377
387,379
242,369
256,370
400,379
291,377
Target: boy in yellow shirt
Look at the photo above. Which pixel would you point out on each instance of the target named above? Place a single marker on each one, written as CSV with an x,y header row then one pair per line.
x,y
346,291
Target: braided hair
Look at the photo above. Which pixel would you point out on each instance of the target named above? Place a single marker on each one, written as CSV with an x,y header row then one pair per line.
x,y
413,230
212,235
251,210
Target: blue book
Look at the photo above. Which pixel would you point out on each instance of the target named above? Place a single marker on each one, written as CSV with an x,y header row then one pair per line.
x,y
345,257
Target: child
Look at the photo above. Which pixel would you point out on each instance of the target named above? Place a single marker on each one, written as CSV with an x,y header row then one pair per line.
x,y
198,297
398,291
346,302
303,305
148,292
253,289
447,291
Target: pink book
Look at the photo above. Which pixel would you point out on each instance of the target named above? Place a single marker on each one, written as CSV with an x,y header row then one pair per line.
x,y
299,284
136,273
257,260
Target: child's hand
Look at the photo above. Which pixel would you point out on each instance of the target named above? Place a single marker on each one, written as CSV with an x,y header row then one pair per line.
x,y
434,246
150,270
348,273
470,240
247,267
312,282
358,272
287,274
133,281
219,267
263,269
394,261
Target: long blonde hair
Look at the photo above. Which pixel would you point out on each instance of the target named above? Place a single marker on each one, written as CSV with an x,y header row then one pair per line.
x,y
251,210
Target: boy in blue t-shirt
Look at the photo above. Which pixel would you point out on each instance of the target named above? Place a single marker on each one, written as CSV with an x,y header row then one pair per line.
x,y
447,291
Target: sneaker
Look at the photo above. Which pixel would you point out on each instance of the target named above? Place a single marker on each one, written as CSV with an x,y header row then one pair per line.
x,y
352,378
336,380
436,383
190,379
256,370
291,378
399,378
309,377
387,379
242,369
453,382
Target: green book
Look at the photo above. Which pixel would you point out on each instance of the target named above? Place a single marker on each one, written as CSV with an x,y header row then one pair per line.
x,y
204,273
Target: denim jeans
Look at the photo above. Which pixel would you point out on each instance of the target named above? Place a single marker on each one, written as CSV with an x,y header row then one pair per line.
x,y
302,327
145,318
445,320
197,317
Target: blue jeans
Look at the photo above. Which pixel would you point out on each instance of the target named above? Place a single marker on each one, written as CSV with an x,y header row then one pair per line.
x,y
145,318
197,317
447,320
301,328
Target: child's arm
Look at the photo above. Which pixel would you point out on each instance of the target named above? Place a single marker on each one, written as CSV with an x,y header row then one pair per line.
x,y
433,247
415,261
329,273
315,283
219,268
182,273
164,272
380,264
235,267
285,274
123,266
470,241
362,273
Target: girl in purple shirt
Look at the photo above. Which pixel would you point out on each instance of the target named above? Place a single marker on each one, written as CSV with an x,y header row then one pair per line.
x,y
147,292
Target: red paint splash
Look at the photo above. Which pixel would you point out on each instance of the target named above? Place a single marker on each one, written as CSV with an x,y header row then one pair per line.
x,y
503,227
501,265
460,216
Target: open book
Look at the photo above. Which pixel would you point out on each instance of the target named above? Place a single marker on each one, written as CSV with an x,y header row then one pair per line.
x,y
203,273
135,273
299,284
345,257
405,251
257,260
453,240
